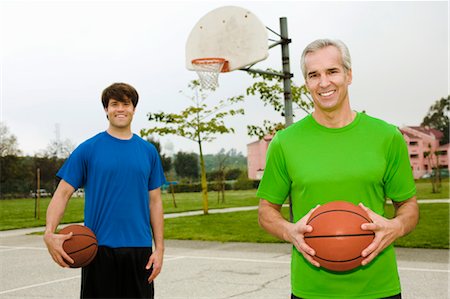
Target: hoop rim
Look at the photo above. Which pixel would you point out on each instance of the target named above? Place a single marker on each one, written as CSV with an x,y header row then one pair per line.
x,y
212,60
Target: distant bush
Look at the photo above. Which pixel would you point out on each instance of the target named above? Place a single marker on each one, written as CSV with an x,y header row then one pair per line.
x,y
197,187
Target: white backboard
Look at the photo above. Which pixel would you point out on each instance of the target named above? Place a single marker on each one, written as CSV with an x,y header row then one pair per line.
x,y
228,32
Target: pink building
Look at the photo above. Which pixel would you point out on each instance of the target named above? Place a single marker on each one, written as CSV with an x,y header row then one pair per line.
x,y
424,150
256,157
420,141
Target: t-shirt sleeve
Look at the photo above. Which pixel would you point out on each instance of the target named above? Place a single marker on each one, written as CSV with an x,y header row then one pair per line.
x,y
275,184
398,180
73,170
157,178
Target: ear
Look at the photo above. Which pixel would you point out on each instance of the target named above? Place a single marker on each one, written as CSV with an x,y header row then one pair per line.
x,y
349,76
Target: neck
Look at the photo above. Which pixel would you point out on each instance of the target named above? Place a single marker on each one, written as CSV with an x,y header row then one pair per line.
x,y
120,133
334,119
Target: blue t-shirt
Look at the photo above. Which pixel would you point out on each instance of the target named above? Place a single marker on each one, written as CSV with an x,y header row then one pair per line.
x,y
117,176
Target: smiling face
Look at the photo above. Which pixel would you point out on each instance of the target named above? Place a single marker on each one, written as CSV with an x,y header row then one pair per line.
x,y
327,80
120,114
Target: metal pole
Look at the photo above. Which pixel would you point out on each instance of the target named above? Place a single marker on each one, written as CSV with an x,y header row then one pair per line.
x,y
286,72
288,115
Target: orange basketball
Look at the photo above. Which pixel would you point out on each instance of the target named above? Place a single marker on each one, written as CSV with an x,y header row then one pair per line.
x,y
82,247
337,236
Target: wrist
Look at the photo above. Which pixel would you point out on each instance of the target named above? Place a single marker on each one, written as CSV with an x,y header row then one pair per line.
x,y
49,231
399,227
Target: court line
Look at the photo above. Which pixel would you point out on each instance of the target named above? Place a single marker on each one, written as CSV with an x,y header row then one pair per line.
x,y
424,270
38,285
284,262
10,248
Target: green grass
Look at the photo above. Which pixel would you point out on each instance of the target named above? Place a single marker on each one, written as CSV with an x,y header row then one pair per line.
x,y
424,189
193,201
19,213
227,227
431,232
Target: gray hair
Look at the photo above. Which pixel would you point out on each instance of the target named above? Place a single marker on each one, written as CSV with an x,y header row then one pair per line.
x,y
322,43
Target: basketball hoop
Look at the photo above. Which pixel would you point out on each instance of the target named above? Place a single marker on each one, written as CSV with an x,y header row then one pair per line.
x,y
208,70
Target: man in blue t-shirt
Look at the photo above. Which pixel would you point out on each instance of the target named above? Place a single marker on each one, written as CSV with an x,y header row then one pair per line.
x,y
121,174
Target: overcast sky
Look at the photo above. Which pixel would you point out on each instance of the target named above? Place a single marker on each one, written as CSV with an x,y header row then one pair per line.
x,y
58,56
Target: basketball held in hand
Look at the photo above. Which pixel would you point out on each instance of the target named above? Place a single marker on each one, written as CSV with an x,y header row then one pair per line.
x,y
337,236
82,247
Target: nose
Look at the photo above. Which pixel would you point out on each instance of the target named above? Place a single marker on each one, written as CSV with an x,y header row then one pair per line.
x,y
324,81
120,106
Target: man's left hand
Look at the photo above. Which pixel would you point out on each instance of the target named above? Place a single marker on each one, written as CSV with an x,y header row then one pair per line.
x,y
386,231
155,260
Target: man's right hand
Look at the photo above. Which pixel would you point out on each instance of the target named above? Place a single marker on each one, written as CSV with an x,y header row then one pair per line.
x,y
270,218
295,235
54,244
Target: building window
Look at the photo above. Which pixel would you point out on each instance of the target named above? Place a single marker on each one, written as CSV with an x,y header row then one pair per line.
x,y
413,143
414,156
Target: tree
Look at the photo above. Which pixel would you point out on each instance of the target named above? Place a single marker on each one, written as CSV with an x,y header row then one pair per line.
x,y
58,149
8,144
16,176
198,123
270,91
233,173
166,163
432,156
222,157
437,118
235,160
186,165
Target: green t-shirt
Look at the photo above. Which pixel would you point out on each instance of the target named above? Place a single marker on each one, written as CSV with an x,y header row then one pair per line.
x,y
365,161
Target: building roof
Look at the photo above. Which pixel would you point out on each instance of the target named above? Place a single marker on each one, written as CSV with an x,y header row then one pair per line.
x,y
429,131
408,134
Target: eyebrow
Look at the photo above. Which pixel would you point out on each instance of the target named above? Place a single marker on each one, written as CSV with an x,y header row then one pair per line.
x,y
328,70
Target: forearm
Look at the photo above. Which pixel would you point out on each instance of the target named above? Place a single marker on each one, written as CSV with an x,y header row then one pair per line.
x,y
271,220
57,206
406,215
157,220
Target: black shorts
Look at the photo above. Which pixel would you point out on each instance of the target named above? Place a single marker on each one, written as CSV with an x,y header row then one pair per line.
x,y
118,273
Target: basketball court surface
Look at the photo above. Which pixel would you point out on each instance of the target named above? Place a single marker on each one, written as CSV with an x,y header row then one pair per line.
x,y
194,269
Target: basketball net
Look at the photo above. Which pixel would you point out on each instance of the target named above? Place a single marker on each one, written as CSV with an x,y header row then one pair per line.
x,y
208,70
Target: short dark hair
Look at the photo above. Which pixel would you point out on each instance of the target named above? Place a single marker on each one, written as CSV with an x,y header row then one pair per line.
x,y
120,92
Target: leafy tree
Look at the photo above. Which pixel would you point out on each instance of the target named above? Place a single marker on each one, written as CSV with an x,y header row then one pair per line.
x,y
270,91
16,176
48,166
58,148
8,142
198,123
432,157
222,157
186,165
235,160
437,118
166,163
233,174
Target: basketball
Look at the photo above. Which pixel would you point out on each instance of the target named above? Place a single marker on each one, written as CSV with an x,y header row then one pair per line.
x,y
337,236
82,247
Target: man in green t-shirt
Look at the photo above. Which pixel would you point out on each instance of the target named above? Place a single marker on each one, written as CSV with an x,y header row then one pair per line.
x,y
338,154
